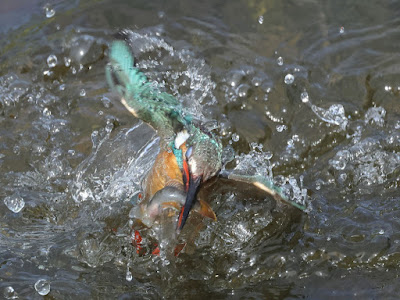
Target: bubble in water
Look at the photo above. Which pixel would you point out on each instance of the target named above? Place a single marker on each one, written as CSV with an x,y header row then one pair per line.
x,y
235,137
42,286
304,97
279,60
82,93
289,78
341,30
261,19
9,293
52,61
15,203
50,12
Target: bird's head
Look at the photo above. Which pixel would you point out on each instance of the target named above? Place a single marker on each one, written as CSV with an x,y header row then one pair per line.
x,y
202,160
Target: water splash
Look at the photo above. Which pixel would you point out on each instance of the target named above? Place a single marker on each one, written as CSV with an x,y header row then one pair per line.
x,y
375,115
335,115
15,203
368,160
188,79
96,181
10,293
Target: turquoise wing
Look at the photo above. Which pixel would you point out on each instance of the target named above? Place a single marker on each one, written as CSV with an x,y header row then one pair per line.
x,y
142,98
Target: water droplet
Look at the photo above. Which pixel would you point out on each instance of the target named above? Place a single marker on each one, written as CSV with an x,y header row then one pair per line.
x,y
67,61
341,30
381,231
42,286
52,61
109,127
235,137
9,293
16,149
281,128
46,112
304,97
268,155
82,93
289,78
279,60
129,276
388,88
256,81
47,73
261,19
15,203
106,102
50,12
235,77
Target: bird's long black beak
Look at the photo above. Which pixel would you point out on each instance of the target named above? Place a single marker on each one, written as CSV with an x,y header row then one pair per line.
x,y
194,183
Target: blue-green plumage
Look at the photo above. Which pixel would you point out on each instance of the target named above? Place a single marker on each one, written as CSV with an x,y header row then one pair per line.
x,y
166,115
159,109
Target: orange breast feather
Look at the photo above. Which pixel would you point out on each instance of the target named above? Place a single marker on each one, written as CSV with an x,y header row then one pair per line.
x,y
165,172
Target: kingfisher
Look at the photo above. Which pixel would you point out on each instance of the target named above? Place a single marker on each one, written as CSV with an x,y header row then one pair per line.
x,y
189,153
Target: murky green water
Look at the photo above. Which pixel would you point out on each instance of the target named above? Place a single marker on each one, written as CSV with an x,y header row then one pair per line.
x,y
315,84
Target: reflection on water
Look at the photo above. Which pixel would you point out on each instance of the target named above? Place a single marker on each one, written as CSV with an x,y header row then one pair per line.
x,y
304,92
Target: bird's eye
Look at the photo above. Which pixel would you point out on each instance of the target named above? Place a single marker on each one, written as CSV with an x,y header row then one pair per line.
x,y
189,152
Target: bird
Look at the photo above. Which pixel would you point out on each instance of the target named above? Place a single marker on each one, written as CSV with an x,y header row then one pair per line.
x,y
189,155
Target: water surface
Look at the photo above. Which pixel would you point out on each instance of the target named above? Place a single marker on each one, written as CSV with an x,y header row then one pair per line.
x,y
305,90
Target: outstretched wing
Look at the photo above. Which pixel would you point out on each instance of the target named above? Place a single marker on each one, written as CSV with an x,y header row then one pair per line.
x,y
143,99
